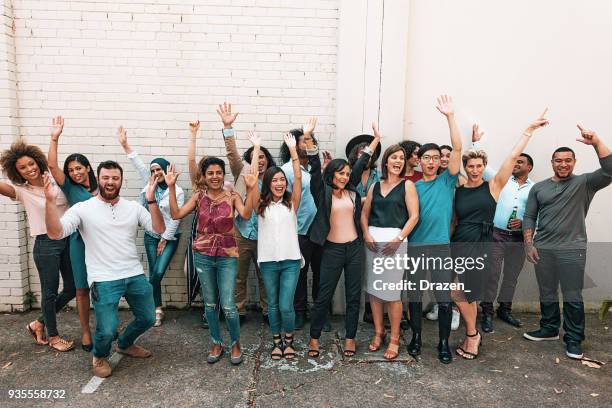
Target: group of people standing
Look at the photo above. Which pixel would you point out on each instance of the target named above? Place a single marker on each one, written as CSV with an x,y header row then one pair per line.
x,y
331,216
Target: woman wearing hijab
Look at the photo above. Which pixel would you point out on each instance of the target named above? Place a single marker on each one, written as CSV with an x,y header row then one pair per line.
x,y
159,248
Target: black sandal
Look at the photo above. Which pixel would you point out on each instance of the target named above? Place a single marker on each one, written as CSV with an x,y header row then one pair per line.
x,y
277,348
289,355
314,353
466,354
348,352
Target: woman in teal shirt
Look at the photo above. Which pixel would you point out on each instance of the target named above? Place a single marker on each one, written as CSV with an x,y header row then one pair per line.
x,y
78,183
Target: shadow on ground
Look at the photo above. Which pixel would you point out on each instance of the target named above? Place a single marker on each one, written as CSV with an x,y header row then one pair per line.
x,y
510,371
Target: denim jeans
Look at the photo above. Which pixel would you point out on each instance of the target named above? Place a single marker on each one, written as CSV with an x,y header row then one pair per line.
x,y
347,257
158,264
566,268
52,257
281,279
217,276
106,295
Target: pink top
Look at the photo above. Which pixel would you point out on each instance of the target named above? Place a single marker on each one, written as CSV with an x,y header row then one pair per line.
x,y
342,226
33,199
215,230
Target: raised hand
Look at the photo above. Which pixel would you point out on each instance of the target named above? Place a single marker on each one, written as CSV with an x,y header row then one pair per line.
x,y
445,105
309,126
476,133
589,137
289,140
252,177
376,131
541,121
171,175
122,134
254,138
226,115
327,157
57,128
194,127
50,188
151,185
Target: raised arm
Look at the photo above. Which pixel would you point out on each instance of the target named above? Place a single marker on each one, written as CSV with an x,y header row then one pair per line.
x,y
602,177
136,161
56,130
191,152
227,117
245,208
256,142
296,192
477,135
505,171
316,177
156,216
362,162
447,108
177,212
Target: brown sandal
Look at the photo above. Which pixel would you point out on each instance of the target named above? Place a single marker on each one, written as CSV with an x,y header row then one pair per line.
x,y
392,349
61,345
377,341
35,333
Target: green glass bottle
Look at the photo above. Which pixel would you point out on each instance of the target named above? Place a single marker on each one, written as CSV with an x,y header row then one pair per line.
x,y
512,216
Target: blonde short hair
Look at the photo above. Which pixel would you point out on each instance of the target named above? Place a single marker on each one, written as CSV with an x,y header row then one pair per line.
x,y
474,154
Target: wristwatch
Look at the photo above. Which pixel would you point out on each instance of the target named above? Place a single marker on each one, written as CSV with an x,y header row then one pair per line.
x,y
228,132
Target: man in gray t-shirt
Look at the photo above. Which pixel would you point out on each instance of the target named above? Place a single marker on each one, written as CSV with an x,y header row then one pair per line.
x,y
558,250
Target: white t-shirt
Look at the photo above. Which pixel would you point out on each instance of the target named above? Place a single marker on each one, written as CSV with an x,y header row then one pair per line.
x,y
109,232
277,236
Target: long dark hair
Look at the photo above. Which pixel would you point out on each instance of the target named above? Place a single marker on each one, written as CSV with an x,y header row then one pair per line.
x,y
333,167
247,156
83,161
266,191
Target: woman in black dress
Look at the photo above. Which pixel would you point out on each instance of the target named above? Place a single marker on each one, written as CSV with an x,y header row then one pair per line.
x,y
475,203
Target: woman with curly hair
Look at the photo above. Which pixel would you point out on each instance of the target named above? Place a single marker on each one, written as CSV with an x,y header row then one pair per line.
x,y
78,183
24,165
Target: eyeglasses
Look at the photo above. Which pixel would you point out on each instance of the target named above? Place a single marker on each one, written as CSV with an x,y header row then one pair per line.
x,y
430,158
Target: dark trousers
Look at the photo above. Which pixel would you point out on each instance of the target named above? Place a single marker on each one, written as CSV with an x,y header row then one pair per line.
x,y
437,275
507,249
564,267
335,259
312,254
52,258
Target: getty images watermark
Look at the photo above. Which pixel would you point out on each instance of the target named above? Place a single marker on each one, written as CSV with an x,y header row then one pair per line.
x,y
418,265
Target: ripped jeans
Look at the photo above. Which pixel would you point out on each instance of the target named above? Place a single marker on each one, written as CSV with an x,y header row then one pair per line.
x,y
217,276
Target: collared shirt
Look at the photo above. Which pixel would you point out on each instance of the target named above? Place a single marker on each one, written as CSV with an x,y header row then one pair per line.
x,y
308,209
512,195
248,228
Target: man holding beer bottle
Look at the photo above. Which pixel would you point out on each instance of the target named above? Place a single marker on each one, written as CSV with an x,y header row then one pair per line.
x,y
508,245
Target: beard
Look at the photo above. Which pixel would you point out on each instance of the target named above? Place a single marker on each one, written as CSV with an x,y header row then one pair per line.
x,y
110,196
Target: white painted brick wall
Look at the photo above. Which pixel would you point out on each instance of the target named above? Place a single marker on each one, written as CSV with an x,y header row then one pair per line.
x,y
152,66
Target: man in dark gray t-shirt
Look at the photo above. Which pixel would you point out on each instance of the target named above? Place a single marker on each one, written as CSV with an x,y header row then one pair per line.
x,y
558,250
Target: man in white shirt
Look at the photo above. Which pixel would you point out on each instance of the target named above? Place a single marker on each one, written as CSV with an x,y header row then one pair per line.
x,y
109,226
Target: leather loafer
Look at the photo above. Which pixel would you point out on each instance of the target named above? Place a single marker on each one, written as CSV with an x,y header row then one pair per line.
x,y
444,353
508,318
414,348
487,323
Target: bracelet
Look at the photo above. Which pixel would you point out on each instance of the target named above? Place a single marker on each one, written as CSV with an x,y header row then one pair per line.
x,y
527,134
151,202
400,237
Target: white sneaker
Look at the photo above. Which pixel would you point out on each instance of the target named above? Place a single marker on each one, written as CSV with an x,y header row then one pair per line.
x,y
456,320
433,313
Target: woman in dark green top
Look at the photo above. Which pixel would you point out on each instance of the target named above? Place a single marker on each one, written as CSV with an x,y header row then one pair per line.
x,y
78,183
390,212
475,204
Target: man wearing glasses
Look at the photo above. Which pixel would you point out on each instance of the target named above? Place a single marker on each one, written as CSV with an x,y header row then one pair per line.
x,y
431,237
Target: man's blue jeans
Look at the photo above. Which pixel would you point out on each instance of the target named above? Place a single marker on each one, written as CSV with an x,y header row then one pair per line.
x,y
158,264
218,282
281,279
106,295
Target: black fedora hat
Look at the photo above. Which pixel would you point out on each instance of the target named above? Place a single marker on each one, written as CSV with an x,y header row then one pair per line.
x,y
363,139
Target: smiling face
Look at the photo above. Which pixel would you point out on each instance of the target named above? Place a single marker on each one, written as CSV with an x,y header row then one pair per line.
x,y
262,162
78,173
521,167
109,183
28,169
563,164
396,162
341,177
444,158
430,162
157,171
278,186
474,168
214,177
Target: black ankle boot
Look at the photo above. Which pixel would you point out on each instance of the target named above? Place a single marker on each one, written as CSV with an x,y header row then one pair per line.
x,y
444,353
414,348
